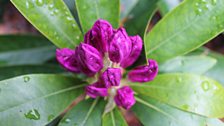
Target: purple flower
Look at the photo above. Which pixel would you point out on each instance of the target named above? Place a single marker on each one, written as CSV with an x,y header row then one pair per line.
x,y
120,45
67,58
136,49
99,35
144,73
125,97
94,90
111,77
89,59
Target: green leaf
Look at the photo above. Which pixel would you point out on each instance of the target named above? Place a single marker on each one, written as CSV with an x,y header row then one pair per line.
x,y
126,7
166,6
114,118
214,122
188,64
12,71
86,113
154,113
53,19
217,71
91,10
139,17
34,100
188,92
25,49
184,29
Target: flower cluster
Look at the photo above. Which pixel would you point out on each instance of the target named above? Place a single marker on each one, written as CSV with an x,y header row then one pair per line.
x,y
104,53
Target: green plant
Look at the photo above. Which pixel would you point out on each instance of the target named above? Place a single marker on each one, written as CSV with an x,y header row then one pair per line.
x,y
180,95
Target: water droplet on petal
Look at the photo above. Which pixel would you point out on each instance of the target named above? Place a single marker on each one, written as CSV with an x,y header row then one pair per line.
x,y
32,114
26,79
205,85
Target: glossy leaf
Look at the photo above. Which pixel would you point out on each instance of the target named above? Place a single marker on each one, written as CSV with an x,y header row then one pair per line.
x,y
166,6
214,122
25,49
114,118
188,64
139,17
217,71
126,7
53,19
154,113
188,92
184,29
86,113
12,71
36,99
91,10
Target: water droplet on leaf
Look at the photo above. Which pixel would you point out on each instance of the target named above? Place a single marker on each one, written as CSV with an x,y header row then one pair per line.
x,y
26,79
50,117
205,85
185,107
32,114
39,2
66,120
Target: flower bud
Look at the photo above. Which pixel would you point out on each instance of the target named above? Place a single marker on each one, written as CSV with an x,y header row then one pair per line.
x,y
125,97
120,45
94,90
144,73
136,49
89,59
99,35
67,58
111,77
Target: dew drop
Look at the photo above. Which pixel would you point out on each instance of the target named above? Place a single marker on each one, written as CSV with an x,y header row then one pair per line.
x,y
26,79
205,85
77,37
51,6
69,18
27,4
56,11
185,107
39,2
50,117
66,120
32,114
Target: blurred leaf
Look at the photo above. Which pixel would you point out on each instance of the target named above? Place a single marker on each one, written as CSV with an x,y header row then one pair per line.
x,y
126,7
154,113
188,92
166,6
184,29
91,10
139,17
214,122
188,64
217,72
12,71
25,49
34,100
53,19
86,113
114,118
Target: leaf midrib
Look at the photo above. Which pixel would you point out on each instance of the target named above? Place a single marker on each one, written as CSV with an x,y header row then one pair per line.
x,y
45,96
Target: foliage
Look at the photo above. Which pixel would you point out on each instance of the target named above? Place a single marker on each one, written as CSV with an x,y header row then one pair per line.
x,y
180,95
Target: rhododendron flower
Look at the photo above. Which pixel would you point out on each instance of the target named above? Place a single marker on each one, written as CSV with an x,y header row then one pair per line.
x,y
123,50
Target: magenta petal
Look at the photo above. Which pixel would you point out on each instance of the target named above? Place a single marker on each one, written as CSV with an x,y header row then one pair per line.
x,y
135,51
89,58
125,97
120,46
99,35
94,91
111,77
67,58
144,73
